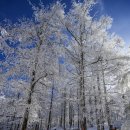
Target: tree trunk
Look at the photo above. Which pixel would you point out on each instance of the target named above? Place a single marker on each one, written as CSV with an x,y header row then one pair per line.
x,y
61,116
50,110
82,92
29,101
101,118
64,121
70,115
25,119
106,102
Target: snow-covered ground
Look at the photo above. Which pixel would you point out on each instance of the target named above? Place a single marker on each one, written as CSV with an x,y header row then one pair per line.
x,y
94,128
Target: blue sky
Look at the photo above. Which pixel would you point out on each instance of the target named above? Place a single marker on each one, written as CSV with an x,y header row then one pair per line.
x,y
119,10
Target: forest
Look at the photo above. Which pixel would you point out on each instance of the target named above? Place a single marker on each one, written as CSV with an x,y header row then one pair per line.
x,y
63,70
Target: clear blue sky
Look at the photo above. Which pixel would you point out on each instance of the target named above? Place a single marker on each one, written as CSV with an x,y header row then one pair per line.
x,y
119,10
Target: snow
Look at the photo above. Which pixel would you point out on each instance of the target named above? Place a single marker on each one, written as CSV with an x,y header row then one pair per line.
x,y
3,32
93,128
2,97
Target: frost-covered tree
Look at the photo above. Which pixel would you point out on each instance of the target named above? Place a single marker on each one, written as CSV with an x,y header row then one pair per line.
x,y
33,43
62,66
90,47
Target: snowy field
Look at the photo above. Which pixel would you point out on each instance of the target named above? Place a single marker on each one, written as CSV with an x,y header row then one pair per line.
x,y
94,128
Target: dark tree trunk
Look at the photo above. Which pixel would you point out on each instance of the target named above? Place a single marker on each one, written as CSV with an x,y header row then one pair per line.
x,y
106,102
71,113
82,93
61,116
50,110
29,101
25,119
64,121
